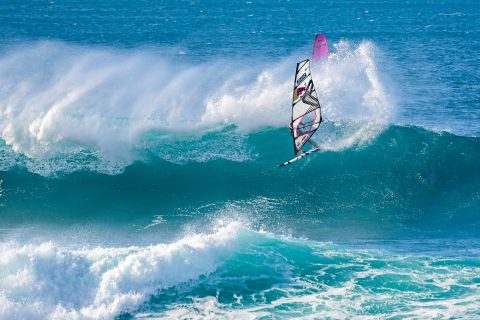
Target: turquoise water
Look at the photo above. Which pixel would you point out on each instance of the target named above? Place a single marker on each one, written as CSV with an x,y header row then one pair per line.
x,y
138,151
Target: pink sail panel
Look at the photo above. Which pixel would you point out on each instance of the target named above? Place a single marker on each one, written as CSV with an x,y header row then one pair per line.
x,y
320,47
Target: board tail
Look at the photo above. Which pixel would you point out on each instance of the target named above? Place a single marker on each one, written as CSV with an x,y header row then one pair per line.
x,y
315,149
320,47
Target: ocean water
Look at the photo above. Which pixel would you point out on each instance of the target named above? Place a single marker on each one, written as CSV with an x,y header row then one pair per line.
x,y
139,143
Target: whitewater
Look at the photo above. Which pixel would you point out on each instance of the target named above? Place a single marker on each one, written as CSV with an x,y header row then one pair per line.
x,y
139,145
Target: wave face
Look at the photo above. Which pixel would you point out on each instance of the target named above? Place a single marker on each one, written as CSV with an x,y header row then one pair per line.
x,y
406,182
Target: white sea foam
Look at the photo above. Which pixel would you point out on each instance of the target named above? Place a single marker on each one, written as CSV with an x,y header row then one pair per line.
x,y
377,287
60,99
50,282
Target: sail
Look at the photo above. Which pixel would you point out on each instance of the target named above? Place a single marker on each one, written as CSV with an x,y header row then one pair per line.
x,y
306,113
320,47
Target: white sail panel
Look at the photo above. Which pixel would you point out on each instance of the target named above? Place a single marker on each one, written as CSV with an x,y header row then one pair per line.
x,y
306,113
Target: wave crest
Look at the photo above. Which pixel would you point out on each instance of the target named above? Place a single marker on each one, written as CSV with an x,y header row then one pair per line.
x,y
61,99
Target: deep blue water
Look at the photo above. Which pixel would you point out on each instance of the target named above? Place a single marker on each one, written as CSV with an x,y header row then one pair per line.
x,y
138,151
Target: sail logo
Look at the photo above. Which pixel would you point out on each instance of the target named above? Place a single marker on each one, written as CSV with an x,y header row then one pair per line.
x,y
298,93
301,78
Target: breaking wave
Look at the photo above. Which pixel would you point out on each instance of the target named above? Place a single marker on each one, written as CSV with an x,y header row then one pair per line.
x,y
51,282
58,100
